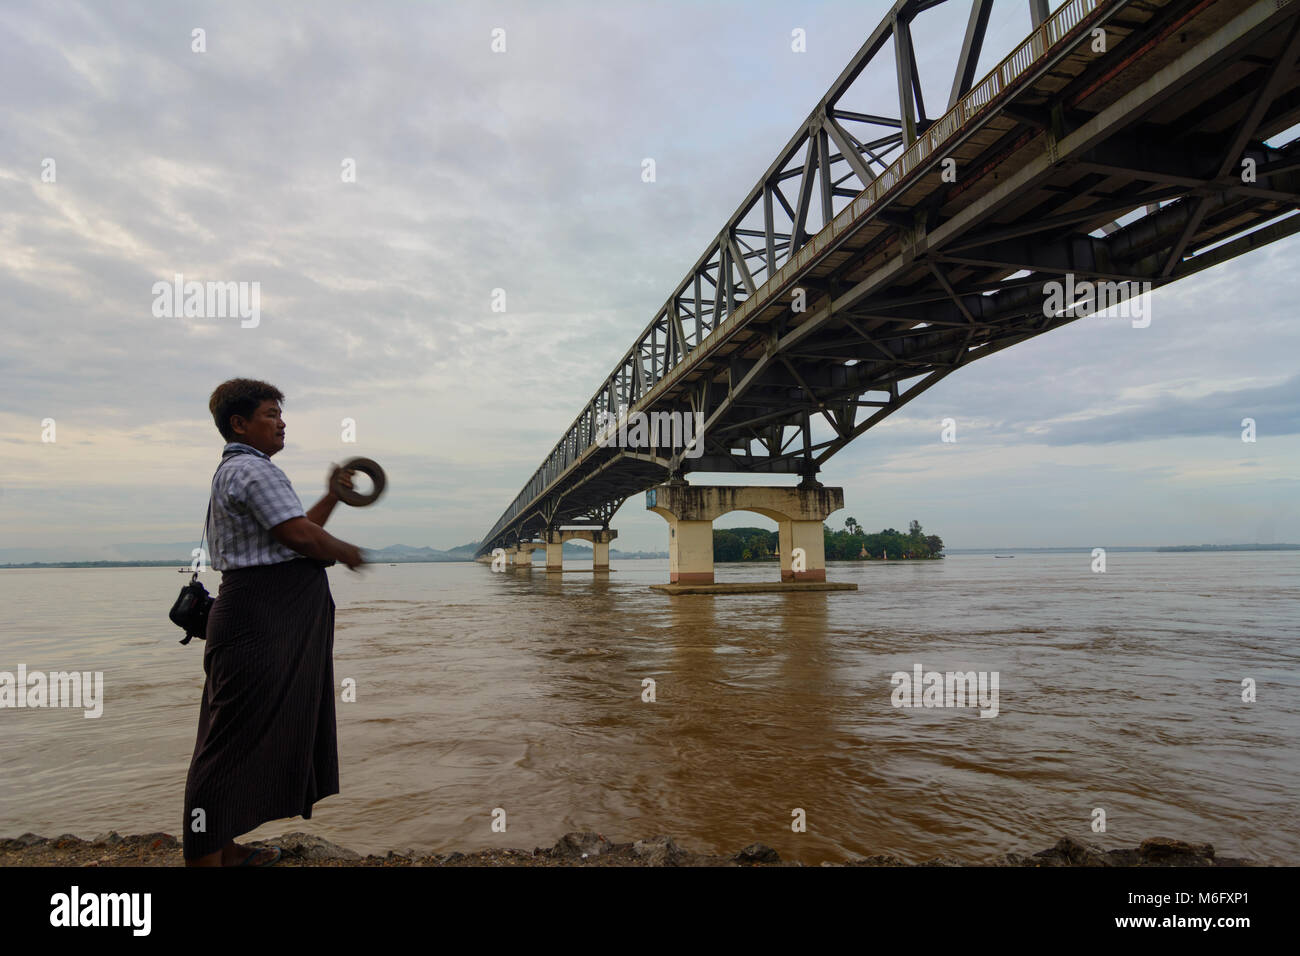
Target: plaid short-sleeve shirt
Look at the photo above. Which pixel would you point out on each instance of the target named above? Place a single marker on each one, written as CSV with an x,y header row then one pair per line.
x,y
250,496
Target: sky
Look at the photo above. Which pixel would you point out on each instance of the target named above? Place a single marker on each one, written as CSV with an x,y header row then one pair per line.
x,y
520,170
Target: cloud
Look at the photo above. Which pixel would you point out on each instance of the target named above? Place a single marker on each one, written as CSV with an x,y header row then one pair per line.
x,y
1275,409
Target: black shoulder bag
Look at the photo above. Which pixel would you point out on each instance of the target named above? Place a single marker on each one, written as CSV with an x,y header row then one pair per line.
x,y
190,612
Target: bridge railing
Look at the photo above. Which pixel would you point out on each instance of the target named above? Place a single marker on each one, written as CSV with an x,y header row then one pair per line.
x,y
978,102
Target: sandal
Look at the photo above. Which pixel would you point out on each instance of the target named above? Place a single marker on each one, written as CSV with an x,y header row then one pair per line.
x,y
256,851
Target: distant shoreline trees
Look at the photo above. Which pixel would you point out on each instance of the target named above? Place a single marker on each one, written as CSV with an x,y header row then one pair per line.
x,y
851,544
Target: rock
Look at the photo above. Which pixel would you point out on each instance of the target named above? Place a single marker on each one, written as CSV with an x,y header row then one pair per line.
x,y
757,853
111,838
153,841
440,859
659,851
879,859
1071,852
577,845
27,839
1161,851
1125,857
65,840
307,846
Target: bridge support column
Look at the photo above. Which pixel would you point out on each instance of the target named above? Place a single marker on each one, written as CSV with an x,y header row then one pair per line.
x,y
690,551
808,536
599,538
523,556
690,511
554,551
600,548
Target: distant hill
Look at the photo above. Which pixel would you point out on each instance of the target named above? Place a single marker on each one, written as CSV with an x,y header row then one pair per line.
x,y
402,554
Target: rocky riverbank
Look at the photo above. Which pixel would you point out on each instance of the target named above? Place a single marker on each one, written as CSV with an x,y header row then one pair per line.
x,y
573,849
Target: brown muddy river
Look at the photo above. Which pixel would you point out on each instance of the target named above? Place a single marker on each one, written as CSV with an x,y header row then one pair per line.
x,y
524,691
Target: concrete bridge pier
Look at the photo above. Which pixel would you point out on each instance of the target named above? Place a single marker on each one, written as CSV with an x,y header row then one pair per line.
x,y
599,538
690,511
554,551
807,535
521,556
600,548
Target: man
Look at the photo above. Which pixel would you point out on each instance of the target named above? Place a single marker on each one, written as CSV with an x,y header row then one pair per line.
x,y
267,746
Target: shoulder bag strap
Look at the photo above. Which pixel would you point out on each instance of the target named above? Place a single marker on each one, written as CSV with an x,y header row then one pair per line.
x,y
204,535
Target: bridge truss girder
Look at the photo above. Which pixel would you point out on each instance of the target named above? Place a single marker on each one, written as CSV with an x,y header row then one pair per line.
x,y
1107,187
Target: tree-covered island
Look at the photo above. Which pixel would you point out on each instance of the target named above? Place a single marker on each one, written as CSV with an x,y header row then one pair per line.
x,y
853,543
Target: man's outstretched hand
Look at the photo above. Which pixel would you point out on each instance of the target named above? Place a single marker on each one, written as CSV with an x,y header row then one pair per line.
x,y
342,475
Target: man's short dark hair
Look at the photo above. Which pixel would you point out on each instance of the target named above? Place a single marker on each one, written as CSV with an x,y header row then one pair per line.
x,y
239,396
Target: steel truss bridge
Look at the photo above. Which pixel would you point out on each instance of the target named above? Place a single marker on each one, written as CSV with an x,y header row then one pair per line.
x,y
880,253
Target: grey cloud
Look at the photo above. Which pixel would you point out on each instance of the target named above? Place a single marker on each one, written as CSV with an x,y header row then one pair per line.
x,y
1275,409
